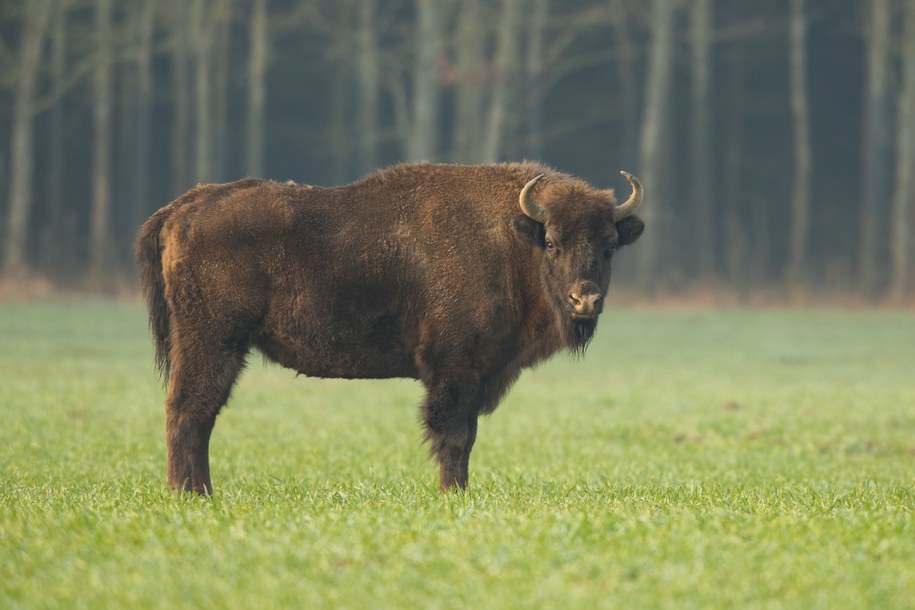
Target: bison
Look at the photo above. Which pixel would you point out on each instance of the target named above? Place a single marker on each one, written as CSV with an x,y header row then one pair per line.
x,y
459,276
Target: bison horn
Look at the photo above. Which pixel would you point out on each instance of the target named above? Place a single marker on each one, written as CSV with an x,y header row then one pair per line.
x,y
628,208
531,209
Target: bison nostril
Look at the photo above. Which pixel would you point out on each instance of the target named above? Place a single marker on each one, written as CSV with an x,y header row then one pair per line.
x,y
587,303
591,301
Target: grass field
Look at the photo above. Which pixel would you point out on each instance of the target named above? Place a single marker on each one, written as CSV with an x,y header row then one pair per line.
x,y
732,459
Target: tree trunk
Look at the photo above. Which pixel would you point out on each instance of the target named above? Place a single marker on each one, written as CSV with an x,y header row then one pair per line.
x,y
400,106
201,24
143,114
221,24
904,196
37,18
653,136
877,153
506,62
535,72
337,118
257,90
700,177
422,144
367,75
469,102
57,242
125,100
180,84
735,240
800,199
99,231
629,84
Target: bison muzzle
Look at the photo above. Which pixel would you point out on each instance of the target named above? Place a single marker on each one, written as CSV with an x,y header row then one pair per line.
x,y
458,276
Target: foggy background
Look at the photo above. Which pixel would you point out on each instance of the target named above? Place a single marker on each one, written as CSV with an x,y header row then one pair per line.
x,y
775,140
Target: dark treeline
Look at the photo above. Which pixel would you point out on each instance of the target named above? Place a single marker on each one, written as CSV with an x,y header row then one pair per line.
x,y
776,140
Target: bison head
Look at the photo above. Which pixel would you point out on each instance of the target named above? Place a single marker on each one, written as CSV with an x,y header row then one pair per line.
x,y
578,229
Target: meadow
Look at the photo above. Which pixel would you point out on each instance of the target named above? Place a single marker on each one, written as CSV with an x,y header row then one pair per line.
x,y
694,458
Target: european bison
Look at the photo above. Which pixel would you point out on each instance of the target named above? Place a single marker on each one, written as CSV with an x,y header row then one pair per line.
x,y
459,276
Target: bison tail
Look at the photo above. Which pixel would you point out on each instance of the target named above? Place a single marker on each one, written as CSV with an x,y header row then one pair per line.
x,y
149,259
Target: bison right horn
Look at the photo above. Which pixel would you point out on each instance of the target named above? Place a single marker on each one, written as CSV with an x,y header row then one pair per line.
x,y
628,207
531,209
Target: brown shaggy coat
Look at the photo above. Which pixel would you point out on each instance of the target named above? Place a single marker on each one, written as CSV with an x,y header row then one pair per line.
x,y
424,271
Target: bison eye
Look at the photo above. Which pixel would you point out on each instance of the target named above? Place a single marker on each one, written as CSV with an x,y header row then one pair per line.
x,y
608,252
552,248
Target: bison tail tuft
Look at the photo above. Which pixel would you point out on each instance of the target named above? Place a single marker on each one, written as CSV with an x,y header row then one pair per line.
x,y
149,259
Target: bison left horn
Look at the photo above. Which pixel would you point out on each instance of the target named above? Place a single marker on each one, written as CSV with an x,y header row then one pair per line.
x,y
531,209
628,207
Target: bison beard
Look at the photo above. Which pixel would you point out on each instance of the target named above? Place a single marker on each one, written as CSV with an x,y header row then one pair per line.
x,y
459,276
578,334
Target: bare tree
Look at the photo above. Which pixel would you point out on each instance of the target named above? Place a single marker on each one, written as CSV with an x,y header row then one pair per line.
x,y
654,131
700,177
877,148
258,55
534,88
201,25
470,38
904,196
202,35
143,111
124,103
628,81
367,86
339,95
99,227
506,63
56,242
800,114
37,17
735,239
180,98
221,22
422,143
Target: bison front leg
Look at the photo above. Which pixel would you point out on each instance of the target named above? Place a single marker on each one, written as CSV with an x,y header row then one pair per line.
x,y
451,449
450,418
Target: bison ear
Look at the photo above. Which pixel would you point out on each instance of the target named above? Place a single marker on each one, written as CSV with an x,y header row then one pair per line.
x,y
528,228
629,229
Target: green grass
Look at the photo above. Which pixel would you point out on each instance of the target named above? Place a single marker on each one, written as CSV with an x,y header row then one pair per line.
x,y
732,459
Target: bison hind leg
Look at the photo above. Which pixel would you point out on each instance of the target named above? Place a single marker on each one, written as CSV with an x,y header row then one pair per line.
x,y
201,382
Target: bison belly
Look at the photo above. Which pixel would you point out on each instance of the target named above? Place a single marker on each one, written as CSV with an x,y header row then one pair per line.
x,y
354,338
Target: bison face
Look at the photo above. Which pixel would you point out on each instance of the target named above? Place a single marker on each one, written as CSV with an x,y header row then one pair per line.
x,y
578,230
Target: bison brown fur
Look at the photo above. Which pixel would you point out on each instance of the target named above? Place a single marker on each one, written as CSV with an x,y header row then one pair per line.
x,y
459,276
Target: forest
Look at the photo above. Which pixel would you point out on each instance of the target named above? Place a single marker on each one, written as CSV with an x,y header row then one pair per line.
x,y
775,140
